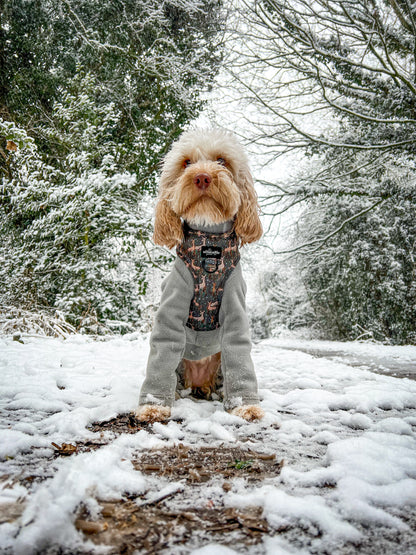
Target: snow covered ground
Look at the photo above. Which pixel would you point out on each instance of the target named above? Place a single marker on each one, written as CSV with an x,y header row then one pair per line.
x,y
347,437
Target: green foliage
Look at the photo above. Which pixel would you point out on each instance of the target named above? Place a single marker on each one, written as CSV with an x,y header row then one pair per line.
x,y
240,465
150,60
91,96
74,236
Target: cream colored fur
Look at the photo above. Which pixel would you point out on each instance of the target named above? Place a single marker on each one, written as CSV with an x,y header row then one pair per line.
x,y
152,413
230,195
248,412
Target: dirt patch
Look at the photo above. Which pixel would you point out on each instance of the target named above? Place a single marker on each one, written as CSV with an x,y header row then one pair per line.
x,y
130,528
164,519
152,524
121,424
198,465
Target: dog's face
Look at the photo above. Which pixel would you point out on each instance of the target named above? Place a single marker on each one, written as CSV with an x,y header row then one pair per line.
x,y
206,180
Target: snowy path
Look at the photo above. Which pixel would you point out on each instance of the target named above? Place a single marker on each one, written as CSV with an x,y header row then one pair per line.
x,y
391,361
347,436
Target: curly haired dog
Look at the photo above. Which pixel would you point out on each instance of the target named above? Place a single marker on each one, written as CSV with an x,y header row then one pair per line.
x,y
207,207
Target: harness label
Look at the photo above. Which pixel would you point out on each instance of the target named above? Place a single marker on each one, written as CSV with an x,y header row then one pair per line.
x,y
210,258
211,252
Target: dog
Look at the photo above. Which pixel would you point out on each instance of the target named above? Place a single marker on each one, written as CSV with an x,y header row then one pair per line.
x,y
207,208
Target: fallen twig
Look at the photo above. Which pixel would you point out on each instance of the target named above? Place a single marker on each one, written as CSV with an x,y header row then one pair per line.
x,y
160,498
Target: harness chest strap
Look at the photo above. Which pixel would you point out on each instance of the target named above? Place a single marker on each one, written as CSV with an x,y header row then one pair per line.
x,y
211,258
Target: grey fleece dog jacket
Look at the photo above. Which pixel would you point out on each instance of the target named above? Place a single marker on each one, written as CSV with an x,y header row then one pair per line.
x,y
173,338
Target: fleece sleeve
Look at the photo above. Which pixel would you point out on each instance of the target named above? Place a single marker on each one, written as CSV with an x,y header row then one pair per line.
x,y
167,341
240,383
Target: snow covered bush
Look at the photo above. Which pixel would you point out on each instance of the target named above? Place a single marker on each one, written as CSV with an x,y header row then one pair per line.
x,y
15,321
71,238
361,280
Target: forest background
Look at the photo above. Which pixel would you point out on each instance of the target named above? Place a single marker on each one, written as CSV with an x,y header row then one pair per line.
x,y
323,94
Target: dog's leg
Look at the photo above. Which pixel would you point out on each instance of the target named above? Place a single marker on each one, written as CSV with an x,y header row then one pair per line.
x,y
167,344
240,384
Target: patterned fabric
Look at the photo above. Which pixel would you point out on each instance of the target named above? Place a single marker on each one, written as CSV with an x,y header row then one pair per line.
x,y
210,257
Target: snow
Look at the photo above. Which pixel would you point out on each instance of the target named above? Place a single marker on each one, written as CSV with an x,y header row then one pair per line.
x,y
347,436
52,507
282,509
214,549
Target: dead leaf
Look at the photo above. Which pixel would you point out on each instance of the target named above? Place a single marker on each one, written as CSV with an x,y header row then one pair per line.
x,y
150,467
195,475
264,456
12,146
108,510
65,449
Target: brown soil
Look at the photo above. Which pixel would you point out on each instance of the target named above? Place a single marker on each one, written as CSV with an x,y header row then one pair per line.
x,y
121,424
198,465
151,528
159,523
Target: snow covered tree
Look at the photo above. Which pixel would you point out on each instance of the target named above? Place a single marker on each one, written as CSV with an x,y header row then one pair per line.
x,y
92,95
325,58
362,284
330,79
74,237
283,303
150,59
335,81
358,253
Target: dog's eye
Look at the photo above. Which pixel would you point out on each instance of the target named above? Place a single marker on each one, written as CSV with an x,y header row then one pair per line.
x,y
221,161
186,163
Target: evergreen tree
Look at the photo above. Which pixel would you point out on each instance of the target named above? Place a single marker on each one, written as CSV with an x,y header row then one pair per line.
x,y
151,60
363,283
92,95
74,236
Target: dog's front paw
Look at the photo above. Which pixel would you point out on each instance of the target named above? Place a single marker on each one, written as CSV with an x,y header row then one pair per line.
x,y
248,412
152,413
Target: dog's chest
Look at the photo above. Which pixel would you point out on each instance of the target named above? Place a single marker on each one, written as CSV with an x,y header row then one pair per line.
x,y
211,258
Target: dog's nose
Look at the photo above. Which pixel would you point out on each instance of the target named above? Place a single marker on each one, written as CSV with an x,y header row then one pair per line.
x,y
202,180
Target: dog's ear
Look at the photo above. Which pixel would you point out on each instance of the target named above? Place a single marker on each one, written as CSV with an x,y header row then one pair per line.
x,y
168,226
247,222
